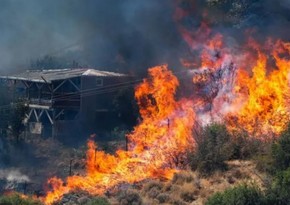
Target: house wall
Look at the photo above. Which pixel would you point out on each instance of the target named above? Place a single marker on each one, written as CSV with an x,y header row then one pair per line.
x,y
97,105
88,103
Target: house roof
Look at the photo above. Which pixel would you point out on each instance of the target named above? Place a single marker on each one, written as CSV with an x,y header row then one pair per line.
x,y
59,74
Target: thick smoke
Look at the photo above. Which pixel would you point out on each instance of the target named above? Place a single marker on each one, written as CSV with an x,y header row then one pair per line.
x,y
122,35
107,34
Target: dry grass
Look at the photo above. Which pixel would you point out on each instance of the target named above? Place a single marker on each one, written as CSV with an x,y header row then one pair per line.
x,y
189,188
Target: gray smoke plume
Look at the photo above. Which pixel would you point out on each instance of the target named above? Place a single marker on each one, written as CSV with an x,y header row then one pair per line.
x,y
108,34
12,179
13,175
122,35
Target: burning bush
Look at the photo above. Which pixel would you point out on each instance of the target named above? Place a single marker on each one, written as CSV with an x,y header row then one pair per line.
x,y
214,148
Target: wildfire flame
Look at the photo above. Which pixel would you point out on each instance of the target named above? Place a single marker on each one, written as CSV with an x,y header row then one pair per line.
x,y
254,99
155,144
246,86
265,95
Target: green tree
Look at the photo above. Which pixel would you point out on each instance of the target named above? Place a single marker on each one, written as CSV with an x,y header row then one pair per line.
x,y
214,147
17,117
279,192
281,151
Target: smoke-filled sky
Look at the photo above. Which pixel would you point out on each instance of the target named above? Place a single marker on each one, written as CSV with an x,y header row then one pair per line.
x,y
106,34
97,33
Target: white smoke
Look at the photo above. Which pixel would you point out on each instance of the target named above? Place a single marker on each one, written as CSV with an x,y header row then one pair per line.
x,y
13,175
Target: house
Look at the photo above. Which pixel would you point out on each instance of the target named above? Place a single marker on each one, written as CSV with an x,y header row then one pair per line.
x,y
61,100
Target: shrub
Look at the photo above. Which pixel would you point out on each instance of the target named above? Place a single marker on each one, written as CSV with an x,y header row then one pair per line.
x,y
152,189
240,195
264,163
244,147
98,201
129,197
213,149
152,184
279,193
163,198
17,199
181,178
188,196
178,202
281,151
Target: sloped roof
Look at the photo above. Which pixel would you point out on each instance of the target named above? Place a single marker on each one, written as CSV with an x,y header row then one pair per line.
x,y
59,74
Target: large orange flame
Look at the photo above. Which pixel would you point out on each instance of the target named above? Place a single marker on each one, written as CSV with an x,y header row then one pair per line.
x,y
264,95
247,87
254,99
164,133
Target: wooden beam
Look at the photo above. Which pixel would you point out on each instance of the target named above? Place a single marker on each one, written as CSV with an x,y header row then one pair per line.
x,y
61,84
44,107
49,117
29,114
39,86
36,115
78,88
40,114
61,112
25,84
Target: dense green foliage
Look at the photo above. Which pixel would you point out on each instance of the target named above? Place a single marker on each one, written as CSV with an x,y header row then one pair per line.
x,y
15,199
277,163
17,117
244,147
213,149
281,151
240,195
276,157
279,192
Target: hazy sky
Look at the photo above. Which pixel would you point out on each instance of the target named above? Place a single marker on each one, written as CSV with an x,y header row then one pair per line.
x,y
105,33
99,29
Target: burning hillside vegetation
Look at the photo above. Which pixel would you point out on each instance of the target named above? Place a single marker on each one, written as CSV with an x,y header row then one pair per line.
x,y
256,101
245,87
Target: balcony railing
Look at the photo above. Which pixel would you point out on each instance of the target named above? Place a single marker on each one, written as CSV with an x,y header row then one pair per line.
x,y
40,102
